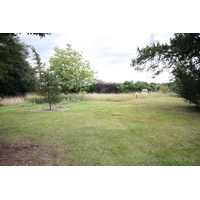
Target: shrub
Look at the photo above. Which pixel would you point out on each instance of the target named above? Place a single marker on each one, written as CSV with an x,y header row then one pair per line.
x,y
164,89
107,87
129,86
35,99
120,87
72,97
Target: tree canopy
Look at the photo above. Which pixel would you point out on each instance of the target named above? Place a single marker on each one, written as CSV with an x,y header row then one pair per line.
x,y
182,55
16,75
183,49
41,35
74,73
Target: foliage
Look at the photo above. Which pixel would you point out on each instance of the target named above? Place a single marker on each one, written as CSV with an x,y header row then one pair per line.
x,y
92,88
182,55
144,85
50,88
41,35
40,67
36,99
120,87
129,86
74,73
164,89
16,75
107,87
188,83
126,87
63,98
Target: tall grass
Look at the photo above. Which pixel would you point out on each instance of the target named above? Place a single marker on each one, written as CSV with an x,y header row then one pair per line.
x,y
63,98
121,96
12,100
72,97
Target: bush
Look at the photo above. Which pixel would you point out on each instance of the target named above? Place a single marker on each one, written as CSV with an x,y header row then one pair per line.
x,y
72,97
120,87
164,89
36,99
107,87
129,86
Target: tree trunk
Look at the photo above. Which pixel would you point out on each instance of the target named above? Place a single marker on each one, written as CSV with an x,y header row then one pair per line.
x,y
49,99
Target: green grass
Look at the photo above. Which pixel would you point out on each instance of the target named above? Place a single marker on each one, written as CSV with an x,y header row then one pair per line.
x,y
109,132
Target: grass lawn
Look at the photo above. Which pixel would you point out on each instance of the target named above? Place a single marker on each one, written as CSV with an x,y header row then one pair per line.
x,y
144,131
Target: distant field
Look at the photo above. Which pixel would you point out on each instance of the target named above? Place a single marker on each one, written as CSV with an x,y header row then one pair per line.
x,y
110,129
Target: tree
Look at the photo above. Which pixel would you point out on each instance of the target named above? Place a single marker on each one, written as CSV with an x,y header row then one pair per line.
x,y
74,74
41,35
182,55
188,83
139,85
39,69
120,87
129,86
16,75
49,88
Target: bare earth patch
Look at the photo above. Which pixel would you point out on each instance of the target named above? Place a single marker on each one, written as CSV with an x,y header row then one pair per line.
x,y
25,154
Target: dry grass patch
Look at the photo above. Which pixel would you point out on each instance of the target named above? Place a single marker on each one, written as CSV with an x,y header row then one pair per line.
x,y
12,100
121,96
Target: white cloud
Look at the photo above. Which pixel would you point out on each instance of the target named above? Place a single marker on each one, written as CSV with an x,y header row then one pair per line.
x,y
111,54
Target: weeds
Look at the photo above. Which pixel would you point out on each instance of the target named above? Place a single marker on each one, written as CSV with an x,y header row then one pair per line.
x,y
121,97
6,101
34,98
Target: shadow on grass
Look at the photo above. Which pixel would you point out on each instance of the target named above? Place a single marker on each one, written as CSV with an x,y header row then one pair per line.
x,y
192,108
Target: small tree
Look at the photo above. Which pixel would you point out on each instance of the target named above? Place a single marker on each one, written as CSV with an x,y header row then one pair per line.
x,y
49,88
39,69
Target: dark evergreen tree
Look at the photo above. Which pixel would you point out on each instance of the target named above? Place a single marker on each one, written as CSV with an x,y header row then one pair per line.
x,y
50,87
16,75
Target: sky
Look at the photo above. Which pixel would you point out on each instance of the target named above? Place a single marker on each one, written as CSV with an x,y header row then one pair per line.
x,y
107,32
110,55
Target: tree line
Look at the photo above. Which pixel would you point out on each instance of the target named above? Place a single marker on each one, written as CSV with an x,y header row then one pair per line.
x,y
129,86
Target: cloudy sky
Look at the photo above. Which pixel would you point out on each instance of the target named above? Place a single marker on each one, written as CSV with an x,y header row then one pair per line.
x,y
109,55
107,32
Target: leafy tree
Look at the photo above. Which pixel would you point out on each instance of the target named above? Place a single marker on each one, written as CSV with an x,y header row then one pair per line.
x,y
139,85
16,75
74,74
50,87
120,87
182,55
129,86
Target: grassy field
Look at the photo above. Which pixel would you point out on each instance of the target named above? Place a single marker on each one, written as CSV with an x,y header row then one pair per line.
x,y
105,130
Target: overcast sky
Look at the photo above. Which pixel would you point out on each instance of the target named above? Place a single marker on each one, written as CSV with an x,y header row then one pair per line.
x,y
110,55
107,32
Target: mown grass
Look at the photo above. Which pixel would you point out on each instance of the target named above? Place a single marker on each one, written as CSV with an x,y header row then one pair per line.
x,y
114,130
